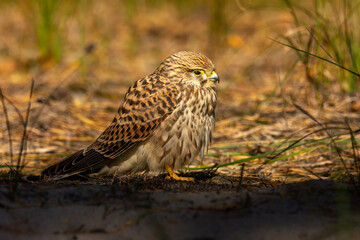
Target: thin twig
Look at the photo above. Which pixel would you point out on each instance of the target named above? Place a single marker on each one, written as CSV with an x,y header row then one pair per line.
x,y
241,173
22,151
355,147
37,116
331,140
316,175
321,46
313,55
16,109
8,127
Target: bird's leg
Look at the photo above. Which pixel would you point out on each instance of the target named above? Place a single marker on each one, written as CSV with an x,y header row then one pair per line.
x,y
114,176
174,176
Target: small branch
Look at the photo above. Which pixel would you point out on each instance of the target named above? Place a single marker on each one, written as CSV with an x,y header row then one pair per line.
x,y
313,55
8,127
20,162
331,140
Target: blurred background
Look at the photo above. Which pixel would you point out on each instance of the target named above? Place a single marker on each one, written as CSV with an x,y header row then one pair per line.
x,y
83,55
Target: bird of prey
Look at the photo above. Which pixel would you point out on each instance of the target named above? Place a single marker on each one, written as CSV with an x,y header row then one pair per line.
x,y
164,122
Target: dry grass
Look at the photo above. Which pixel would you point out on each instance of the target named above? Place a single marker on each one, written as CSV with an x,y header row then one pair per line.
x,y
104,48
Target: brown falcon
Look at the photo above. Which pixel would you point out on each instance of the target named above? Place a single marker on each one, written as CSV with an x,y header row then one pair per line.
x,y
164,123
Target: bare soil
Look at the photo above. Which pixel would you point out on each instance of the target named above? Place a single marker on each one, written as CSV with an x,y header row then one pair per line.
x,y
214,207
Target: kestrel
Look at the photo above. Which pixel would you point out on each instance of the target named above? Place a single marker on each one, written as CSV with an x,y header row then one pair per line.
x,y
164,122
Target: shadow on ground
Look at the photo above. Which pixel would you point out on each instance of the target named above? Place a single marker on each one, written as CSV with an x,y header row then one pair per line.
x,y
215,207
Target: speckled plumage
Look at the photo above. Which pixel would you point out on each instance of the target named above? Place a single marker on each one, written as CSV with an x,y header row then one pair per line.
x,y
166,119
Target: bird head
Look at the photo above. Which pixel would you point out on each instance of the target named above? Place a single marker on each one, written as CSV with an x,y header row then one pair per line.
x,y
190,67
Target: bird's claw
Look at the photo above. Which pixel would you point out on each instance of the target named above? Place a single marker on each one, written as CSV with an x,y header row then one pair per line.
x,y
178,178
174,176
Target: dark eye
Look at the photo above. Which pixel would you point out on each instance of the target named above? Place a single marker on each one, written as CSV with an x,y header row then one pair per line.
x,y
197,72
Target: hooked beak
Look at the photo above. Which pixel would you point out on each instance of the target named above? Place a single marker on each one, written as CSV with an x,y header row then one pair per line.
x,y
214,77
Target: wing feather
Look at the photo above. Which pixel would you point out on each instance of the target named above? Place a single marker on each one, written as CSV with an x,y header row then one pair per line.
x,y
144,109
146,105
75,164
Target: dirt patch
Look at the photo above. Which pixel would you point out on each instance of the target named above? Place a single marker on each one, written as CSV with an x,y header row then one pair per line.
x,y
213,208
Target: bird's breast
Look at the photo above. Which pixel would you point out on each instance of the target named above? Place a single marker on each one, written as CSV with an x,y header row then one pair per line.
x,y
184,133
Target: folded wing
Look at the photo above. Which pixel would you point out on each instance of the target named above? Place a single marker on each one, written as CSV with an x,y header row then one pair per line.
x,y
147,104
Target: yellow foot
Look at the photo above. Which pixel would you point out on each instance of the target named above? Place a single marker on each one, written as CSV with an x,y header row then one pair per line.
x,y
174,176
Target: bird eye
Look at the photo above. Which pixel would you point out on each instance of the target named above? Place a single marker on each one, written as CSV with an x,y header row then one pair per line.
x,y
198,72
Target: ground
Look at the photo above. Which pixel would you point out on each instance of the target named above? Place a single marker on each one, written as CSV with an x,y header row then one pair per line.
x,y
215,207
253,183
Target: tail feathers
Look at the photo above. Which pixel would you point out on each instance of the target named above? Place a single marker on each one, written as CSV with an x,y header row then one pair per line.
x,y
77,163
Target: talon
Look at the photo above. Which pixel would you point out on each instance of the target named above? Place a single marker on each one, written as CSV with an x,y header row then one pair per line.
x,y
174,176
